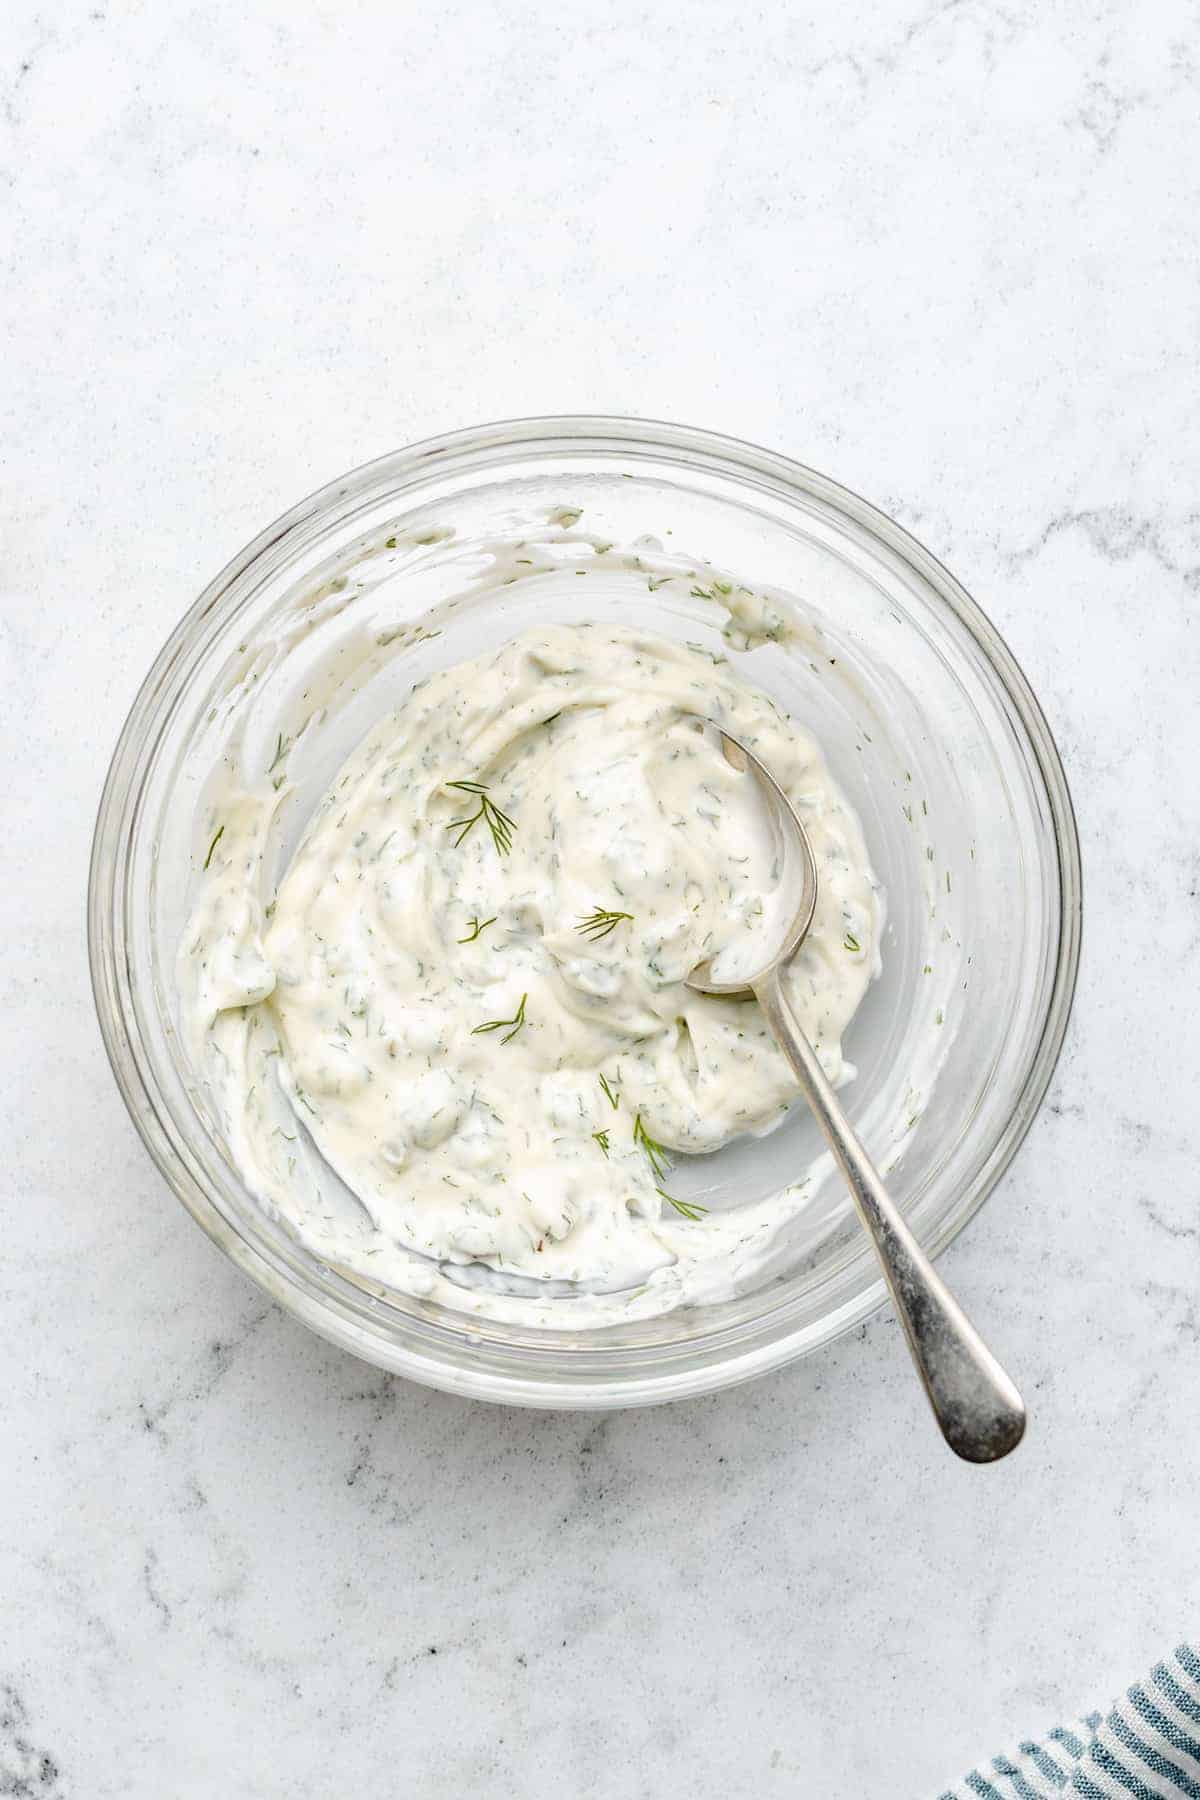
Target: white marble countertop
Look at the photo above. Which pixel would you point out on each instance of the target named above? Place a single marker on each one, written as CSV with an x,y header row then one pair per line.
x,y
945,252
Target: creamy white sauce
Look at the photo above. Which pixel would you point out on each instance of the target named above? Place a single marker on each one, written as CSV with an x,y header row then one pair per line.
x,y
424,1009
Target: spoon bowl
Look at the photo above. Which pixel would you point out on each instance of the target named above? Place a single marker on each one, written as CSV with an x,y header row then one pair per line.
x,y
794,846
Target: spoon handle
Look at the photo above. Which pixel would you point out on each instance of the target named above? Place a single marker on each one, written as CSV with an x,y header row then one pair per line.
x,y
980,1412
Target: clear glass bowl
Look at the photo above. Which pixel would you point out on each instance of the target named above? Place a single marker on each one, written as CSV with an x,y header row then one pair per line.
x,y
929,726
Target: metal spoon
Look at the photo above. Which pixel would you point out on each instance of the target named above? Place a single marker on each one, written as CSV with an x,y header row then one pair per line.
x,y
980,1412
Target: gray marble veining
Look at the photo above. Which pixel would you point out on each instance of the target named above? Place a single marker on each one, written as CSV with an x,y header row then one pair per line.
x,y
945,252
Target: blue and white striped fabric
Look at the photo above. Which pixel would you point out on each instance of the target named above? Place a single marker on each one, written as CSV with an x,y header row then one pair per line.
x,y
1146,1748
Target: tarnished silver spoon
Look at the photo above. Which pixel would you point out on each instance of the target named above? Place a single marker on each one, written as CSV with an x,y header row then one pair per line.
x,y
980,1412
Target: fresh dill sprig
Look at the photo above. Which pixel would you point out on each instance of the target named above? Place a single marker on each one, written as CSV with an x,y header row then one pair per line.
x,y
213,845
601,1138
614,1100
515,1023
477,925
686,1208
498,823
660,1160
598,924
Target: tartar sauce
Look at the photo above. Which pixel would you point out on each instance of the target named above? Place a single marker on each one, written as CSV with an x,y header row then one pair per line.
x,y
468,994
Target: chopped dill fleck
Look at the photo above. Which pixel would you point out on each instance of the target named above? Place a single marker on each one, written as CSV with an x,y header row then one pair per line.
x,y
477,926
213,845
599,924
389,543
941,1017
614,1100
282,746
515,1023
601,1138
497,822
852,943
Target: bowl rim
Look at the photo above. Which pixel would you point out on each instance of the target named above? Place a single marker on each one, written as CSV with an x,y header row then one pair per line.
x,y
594,434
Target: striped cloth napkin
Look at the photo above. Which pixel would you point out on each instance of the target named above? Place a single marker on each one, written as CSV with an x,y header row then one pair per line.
x,y
1146,1748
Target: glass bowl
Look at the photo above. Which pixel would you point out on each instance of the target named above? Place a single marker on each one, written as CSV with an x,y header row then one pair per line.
x,y
926,720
